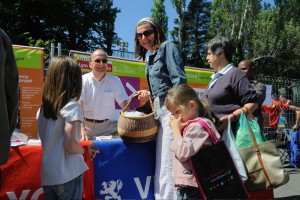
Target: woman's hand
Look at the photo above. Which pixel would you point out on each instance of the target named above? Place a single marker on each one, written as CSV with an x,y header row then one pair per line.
x,y
143,95
222,123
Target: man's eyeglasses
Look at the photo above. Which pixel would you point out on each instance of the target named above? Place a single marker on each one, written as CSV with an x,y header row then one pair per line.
x,y
145,33
100,61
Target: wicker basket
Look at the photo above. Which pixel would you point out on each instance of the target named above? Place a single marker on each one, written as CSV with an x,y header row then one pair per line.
x,y
137,128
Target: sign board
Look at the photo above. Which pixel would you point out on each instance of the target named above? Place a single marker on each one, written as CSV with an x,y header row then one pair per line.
x,y
30,62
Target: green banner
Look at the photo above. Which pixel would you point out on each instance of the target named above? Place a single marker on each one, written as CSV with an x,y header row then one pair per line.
x,y
81,56
137,69
28,57
128,68
198,76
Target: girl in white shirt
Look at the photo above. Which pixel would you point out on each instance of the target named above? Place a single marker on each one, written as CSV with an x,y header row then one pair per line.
x,y
59,122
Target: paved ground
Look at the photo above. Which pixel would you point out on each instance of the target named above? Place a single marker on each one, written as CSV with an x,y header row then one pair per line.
x,y
291,190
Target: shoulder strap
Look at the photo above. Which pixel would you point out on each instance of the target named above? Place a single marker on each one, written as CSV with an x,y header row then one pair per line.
x,y
256,147
207,129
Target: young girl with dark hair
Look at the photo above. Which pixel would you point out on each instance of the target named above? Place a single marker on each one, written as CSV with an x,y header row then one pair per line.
x,y
59,121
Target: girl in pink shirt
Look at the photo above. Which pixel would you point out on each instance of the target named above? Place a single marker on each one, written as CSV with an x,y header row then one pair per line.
x,y
184,104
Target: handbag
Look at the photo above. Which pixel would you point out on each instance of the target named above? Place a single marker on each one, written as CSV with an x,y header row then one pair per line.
x,y
263,164
137,129
242,137
229,140
215,172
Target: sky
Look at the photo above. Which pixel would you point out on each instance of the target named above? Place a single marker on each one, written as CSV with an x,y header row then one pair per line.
x,y
134,10
131,12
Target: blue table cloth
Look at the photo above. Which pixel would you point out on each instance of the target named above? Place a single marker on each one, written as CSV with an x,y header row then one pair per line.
x,y
124,170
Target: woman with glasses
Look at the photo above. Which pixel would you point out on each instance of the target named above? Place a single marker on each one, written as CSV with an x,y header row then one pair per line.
x,y
99,92
229,90
164,70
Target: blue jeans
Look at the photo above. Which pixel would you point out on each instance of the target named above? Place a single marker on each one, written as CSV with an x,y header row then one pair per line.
x,y
188,193
67,191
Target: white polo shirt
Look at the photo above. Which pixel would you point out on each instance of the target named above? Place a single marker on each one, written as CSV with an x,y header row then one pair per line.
x,y
98,97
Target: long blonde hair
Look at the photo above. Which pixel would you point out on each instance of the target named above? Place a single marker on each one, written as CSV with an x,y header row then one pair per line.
x,y
63,82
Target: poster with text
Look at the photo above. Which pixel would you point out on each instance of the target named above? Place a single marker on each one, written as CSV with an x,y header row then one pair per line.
x,y
31,75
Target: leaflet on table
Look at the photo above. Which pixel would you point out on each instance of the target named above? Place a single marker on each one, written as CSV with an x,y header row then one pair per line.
x,y
18,139
106,137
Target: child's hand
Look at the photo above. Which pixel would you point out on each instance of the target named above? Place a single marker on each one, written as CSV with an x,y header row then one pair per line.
x,y
93,151
84,136
176,125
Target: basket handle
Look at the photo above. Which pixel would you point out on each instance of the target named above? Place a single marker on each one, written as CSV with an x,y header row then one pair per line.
x,y
134,96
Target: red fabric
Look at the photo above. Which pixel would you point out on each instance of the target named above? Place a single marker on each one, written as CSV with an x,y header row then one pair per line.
x,y
262,194
274,111
88,177
20,176
21,173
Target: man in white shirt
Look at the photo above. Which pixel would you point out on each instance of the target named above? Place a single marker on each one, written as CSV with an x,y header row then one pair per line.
x,y
99,93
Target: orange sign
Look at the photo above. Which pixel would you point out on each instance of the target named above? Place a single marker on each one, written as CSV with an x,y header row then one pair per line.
x,y
31,75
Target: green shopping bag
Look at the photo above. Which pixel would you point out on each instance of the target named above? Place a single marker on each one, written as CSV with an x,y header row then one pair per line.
x,y
243,136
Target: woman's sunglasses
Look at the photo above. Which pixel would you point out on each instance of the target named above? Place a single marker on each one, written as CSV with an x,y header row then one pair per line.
x,y
145,33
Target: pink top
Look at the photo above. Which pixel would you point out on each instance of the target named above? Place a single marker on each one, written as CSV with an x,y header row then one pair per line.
x,y
194,139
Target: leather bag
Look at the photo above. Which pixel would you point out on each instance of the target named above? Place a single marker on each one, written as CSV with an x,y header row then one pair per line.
x,y
263,164
215,172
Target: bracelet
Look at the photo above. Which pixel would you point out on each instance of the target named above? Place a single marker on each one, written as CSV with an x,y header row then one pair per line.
x,y
234,117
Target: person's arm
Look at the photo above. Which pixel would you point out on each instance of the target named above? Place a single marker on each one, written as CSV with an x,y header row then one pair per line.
x,y
195,137
71,145
260,89
296,126
84,136
11,81
175,65
291,107
234,116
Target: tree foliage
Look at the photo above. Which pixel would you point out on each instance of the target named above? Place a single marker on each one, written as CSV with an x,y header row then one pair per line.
x,y
77,24
159,13
195,32
269,34
180,7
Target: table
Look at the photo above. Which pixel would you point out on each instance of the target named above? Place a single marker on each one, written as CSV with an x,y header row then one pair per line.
x,y
128,166
124,170
20,176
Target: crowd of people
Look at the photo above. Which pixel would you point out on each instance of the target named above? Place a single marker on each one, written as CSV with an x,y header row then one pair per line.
x,y
79,107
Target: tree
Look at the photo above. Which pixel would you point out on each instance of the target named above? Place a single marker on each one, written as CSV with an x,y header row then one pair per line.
x,y
78,24
276,48
195,32
235,19
159,13
180,6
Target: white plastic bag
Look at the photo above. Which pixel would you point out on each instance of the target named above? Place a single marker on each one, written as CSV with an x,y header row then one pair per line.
x,y
236,156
